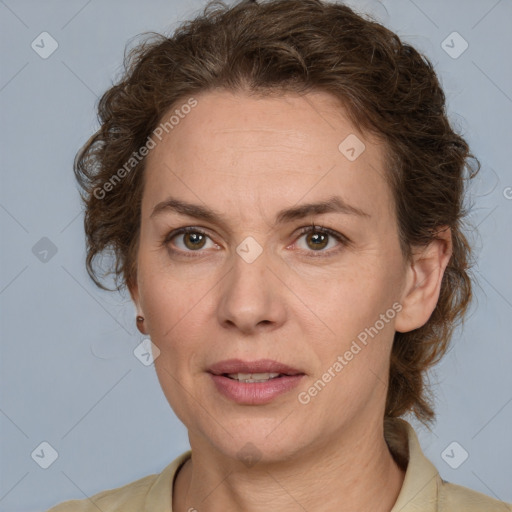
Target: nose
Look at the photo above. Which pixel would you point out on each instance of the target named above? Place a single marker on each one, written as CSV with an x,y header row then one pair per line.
x,y
252,296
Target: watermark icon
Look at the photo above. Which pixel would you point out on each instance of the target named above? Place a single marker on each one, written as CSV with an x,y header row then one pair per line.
x,y
507,192
146,352
44,250
249,454
249,249
44,455
44,45
143,151
304,397
454,455
351,147
454,45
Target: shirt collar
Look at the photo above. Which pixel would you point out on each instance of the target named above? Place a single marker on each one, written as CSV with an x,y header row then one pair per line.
x,y
419,490
420,487
159,497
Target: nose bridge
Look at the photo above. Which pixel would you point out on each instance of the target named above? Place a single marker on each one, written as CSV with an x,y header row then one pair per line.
x,y
250,275
249,294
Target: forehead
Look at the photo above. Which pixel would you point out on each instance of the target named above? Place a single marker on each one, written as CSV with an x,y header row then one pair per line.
x,y
245,152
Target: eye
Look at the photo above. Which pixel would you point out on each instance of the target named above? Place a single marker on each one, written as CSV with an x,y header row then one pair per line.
x,y
193,240
317,239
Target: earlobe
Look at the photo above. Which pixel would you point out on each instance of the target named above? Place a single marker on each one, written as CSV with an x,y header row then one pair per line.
x,y
425,273
139,315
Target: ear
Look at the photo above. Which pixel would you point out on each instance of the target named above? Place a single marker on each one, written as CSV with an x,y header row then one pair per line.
x,y
423,281
133,288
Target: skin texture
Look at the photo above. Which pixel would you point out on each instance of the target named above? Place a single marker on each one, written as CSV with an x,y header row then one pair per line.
x,y
248,158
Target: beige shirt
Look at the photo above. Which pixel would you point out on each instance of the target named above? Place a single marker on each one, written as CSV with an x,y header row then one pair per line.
x,y
422,490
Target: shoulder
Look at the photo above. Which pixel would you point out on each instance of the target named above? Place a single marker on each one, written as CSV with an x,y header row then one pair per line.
x,y
127,498
455,498
423,488
152,492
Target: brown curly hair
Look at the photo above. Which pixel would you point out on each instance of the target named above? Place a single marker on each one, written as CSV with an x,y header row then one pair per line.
x,y
388,88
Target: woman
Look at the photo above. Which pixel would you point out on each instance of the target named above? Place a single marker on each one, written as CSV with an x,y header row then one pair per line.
x,y
284,196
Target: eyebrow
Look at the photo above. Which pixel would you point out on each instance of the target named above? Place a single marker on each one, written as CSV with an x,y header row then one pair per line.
x,y
334,204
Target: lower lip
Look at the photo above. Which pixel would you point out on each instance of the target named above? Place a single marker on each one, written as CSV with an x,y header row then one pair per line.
x,y
255,393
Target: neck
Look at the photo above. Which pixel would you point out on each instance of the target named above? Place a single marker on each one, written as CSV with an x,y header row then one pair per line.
x,y
356,473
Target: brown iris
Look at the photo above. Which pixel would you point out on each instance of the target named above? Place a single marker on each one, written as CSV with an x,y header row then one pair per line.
x,y
197,240
318,239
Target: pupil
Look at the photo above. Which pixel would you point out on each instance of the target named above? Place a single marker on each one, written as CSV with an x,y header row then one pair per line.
x,y
193,238
318,237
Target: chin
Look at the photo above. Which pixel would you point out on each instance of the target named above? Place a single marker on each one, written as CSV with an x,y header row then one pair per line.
x,y
256,440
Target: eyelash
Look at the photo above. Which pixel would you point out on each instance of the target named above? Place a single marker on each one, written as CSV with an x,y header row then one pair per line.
x,y
343,240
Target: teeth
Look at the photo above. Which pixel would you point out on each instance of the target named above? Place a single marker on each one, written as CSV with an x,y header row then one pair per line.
x,y
253,377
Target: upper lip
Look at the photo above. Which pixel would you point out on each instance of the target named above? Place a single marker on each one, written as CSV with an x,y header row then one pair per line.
x,y
258,366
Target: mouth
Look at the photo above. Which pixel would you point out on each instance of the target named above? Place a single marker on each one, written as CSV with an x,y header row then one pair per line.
x,y
261,370
254,382
253,377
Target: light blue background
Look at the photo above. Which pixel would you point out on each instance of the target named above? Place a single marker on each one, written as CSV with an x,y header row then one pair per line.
x,y
68,373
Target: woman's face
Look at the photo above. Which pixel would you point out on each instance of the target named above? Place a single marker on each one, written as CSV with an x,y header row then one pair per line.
x,y
249,285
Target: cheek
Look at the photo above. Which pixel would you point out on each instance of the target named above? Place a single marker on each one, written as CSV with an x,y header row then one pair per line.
x,y
343,301
357,307
170,295
175,320
179,317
